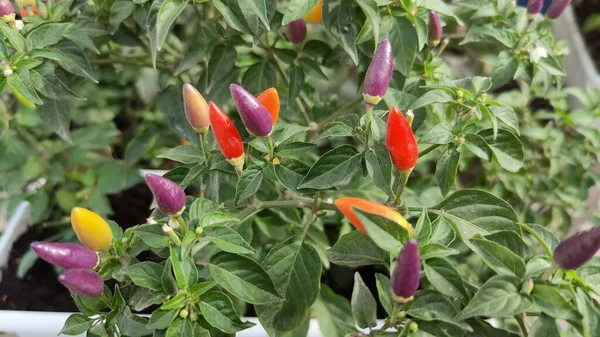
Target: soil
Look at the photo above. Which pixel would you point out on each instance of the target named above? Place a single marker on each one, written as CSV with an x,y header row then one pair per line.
x,y
583,9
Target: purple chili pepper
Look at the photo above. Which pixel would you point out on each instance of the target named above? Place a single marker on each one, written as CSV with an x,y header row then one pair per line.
x,y
196,109
535,6
405,277
66,255
296,31
256,117
557,7
6,8
435,29
379,74
169,196
83,282
578,249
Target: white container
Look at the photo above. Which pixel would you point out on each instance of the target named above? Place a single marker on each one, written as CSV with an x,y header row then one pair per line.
x,y
16,226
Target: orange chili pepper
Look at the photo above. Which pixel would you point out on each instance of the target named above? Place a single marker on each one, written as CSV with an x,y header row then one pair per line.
x,y
345,205
270,100
315,15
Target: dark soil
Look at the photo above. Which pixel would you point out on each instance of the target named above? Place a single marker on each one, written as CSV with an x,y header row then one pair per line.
x,y
583,9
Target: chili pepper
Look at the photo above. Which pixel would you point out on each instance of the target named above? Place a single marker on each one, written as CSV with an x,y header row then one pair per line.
x,y
270,100
578,249
435,29
196,109
534,6
66,255
345,205
296,31
169,196
315,15
405,276
92,231
83,282
25,5
379,73
557,7
227,136
401,142
6,9
256,118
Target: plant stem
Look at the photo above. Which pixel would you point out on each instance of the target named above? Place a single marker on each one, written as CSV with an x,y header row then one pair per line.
x,y
182,224
520,319
401,180
429,149
271,148
204,146
129,62
369,109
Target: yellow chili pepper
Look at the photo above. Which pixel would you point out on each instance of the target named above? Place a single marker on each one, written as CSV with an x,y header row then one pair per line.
x,y
92,231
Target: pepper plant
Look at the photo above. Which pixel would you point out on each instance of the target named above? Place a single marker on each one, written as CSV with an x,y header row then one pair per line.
x,y
286,169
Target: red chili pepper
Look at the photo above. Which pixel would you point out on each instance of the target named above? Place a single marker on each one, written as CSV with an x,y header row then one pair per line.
x,y
227,136
401,141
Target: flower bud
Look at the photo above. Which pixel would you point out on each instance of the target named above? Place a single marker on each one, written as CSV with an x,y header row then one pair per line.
x,y
256,118
534,6
413,327
92,231
435,29
6,8
66,255
316,14
527,287
346,205
296,31
405,276
196,109
557,7
379,73
184,313
169,196
270,100
578,249
83,282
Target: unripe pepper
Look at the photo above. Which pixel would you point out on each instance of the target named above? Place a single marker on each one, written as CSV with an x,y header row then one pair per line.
x,y
83,282
379,73
316,14
345,205
435,29
92,231
578,249
6,10
534,6
296,31
401,141
256,118
66,255
405,276
270,100
169,196
196,109
557,7
227,136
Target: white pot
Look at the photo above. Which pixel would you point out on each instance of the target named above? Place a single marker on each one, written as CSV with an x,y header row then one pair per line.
x,y
16,226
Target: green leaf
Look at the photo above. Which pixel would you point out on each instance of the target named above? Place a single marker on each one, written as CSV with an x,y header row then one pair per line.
x,y
441,7
590,313
46,34
233,14
16,40
152,235
119,11
248,184
386,234
243,278
297,9
222,61
552,303
431,97
258,8
501,259
175,303
170,103
181,271
295,149
161,16
259,77
217,218
444,277
218,311
168,281
161,319
423,229
196,52
354,249
296,83
186,244
132,325
57,115
372,12
433,250
404,41
181,328
364,307
507,116
333,313
186,154
544,326
227,239
379,166
338,24
383,285
76,324
312,68
504,70
474,212
295,269
499,296
140,145
19,87
332,168
47,84
440,134
200,207
512,241
146,274
445,172
476,144
506,148
73,62
429,305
